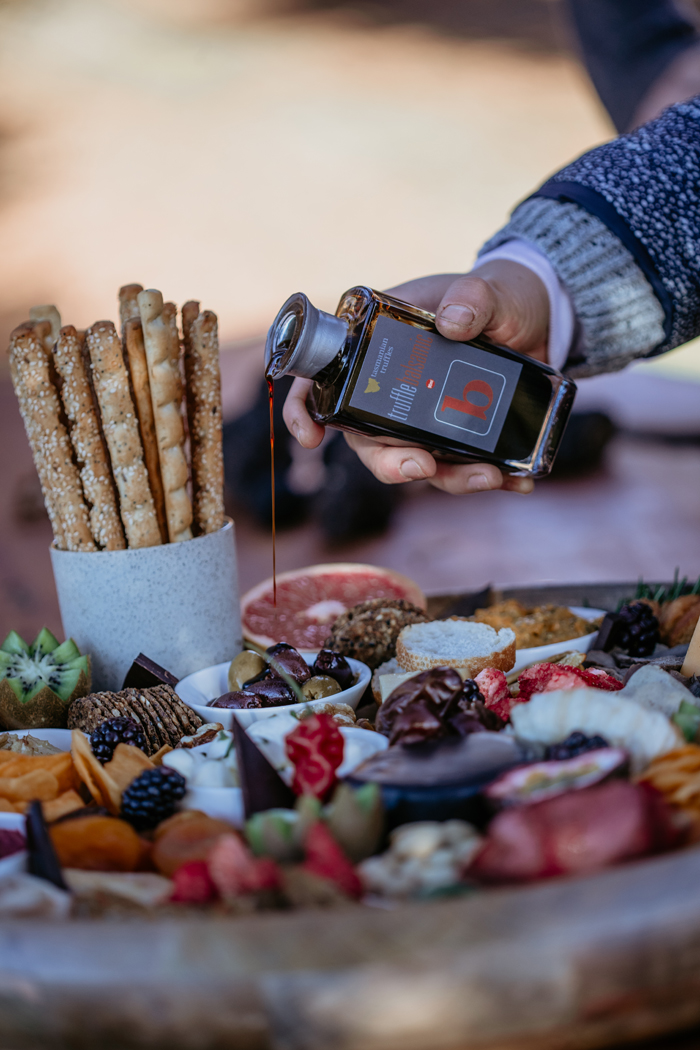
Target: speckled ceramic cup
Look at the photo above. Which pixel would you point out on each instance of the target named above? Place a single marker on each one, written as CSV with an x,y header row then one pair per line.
x,y
177,604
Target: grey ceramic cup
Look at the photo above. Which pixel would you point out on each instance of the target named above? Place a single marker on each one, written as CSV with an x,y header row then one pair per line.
x,y
177,603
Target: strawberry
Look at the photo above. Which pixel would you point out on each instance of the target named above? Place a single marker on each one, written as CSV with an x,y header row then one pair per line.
x,y
324,857
192,884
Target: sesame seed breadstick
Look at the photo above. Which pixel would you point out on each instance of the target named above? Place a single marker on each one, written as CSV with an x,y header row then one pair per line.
x,y
203,387
87,440
128,304
141,388
51,448
121,430
166,396
47,313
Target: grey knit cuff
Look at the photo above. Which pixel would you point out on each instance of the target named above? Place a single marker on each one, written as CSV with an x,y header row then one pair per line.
x,y
618,315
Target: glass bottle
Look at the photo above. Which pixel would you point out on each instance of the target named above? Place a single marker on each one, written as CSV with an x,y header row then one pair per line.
x,y
381,368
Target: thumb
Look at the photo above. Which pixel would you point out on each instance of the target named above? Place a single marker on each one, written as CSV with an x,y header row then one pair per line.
x,y
503,300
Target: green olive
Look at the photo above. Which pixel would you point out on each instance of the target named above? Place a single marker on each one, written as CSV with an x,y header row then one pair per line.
x,y
319,687
244,667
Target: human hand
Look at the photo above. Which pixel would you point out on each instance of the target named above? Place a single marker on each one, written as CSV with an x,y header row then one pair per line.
x,y
502,300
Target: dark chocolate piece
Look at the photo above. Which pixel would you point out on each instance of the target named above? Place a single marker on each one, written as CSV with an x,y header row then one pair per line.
x,y
263,787
604,639
41,860
145,672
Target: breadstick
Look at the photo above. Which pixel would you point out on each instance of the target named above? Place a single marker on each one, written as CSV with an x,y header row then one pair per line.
x,y
166,397
51,448
47,313
128,304
86,438
121,431
141,388
203,388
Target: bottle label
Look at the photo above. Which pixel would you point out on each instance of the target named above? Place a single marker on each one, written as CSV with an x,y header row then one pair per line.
x,y
420,379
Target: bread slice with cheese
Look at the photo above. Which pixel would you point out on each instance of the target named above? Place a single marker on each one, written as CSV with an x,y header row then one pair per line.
x,y
467,646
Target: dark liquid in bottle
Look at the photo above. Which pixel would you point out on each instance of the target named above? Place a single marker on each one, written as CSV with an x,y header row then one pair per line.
x,y
271,396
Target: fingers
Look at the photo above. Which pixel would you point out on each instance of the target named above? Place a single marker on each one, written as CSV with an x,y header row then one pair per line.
x,y
424,292
391,464
394,466
501,299
459,479
299,422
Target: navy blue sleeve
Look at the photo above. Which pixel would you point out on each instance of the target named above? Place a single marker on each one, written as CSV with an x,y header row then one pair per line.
x,y
626,45
645,187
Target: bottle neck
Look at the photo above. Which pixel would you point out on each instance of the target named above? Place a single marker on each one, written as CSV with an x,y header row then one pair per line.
x,y
302,340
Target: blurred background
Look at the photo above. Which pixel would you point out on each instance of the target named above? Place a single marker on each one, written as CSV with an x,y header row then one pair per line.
x,y
236,151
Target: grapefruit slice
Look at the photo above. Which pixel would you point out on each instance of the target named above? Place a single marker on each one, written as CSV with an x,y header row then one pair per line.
x,y
310,600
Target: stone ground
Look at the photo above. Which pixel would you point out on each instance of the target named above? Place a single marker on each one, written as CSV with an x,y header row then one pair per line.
x,y
239,151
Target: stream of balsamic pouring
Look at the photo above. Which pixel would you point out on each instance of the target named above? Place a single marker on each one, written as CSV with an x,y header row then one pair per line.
x,y
271,396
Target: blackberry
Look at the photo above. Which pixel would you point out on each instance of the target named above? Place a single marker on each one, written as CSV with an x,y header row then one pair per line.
x,y
470,693
152,797
115,731
636,631
575,744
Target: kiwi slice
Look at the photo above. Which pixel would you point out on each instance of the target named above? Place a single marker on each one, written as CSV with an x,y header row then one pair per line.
x,y
38,681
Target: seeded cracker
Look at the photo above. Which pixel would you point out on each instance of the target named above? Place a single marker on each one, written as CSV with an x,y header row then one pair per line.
x,y
86,438
53,456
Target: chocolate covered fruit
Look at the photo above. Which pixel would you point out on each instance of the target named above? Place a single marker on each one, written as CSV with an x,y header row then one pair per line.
x,y
40,680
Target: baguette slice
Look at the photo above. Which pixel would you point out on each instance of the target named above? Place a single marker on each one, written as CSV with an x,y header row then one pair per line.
x,y
468,647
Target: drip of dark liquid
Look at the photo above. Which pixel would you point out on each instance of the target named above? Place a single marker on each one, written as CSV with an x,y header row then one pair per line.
x,y
271,395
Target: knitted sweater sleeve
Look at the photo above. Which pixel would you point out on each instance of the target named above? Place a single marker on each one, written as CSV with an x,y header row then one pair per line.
x,y
621,228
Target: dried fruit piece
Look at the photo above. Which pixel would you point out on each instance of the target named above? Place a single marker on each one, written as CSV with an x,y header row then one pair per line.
x,y
185,837
96,844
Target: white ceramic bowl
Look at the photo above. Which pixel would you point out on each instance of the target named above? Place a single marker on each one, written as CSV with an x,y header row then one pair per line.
x,y
524,657
223,803
199,688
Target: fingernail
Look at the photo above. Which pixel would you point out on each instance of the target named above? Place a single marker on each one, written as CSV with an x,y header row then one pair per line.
x,y
411,470
459,315
296,429
478,483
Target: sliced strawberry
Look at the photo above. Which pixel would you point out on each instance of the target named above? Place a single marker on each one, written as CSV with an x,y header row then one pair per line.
x,y
324,857
494,689
545,678
235,871
193,884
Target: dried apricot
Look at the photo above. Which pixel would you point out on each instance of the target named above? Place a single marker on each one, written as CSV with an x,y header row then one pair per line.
x,y
96,844
185,838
